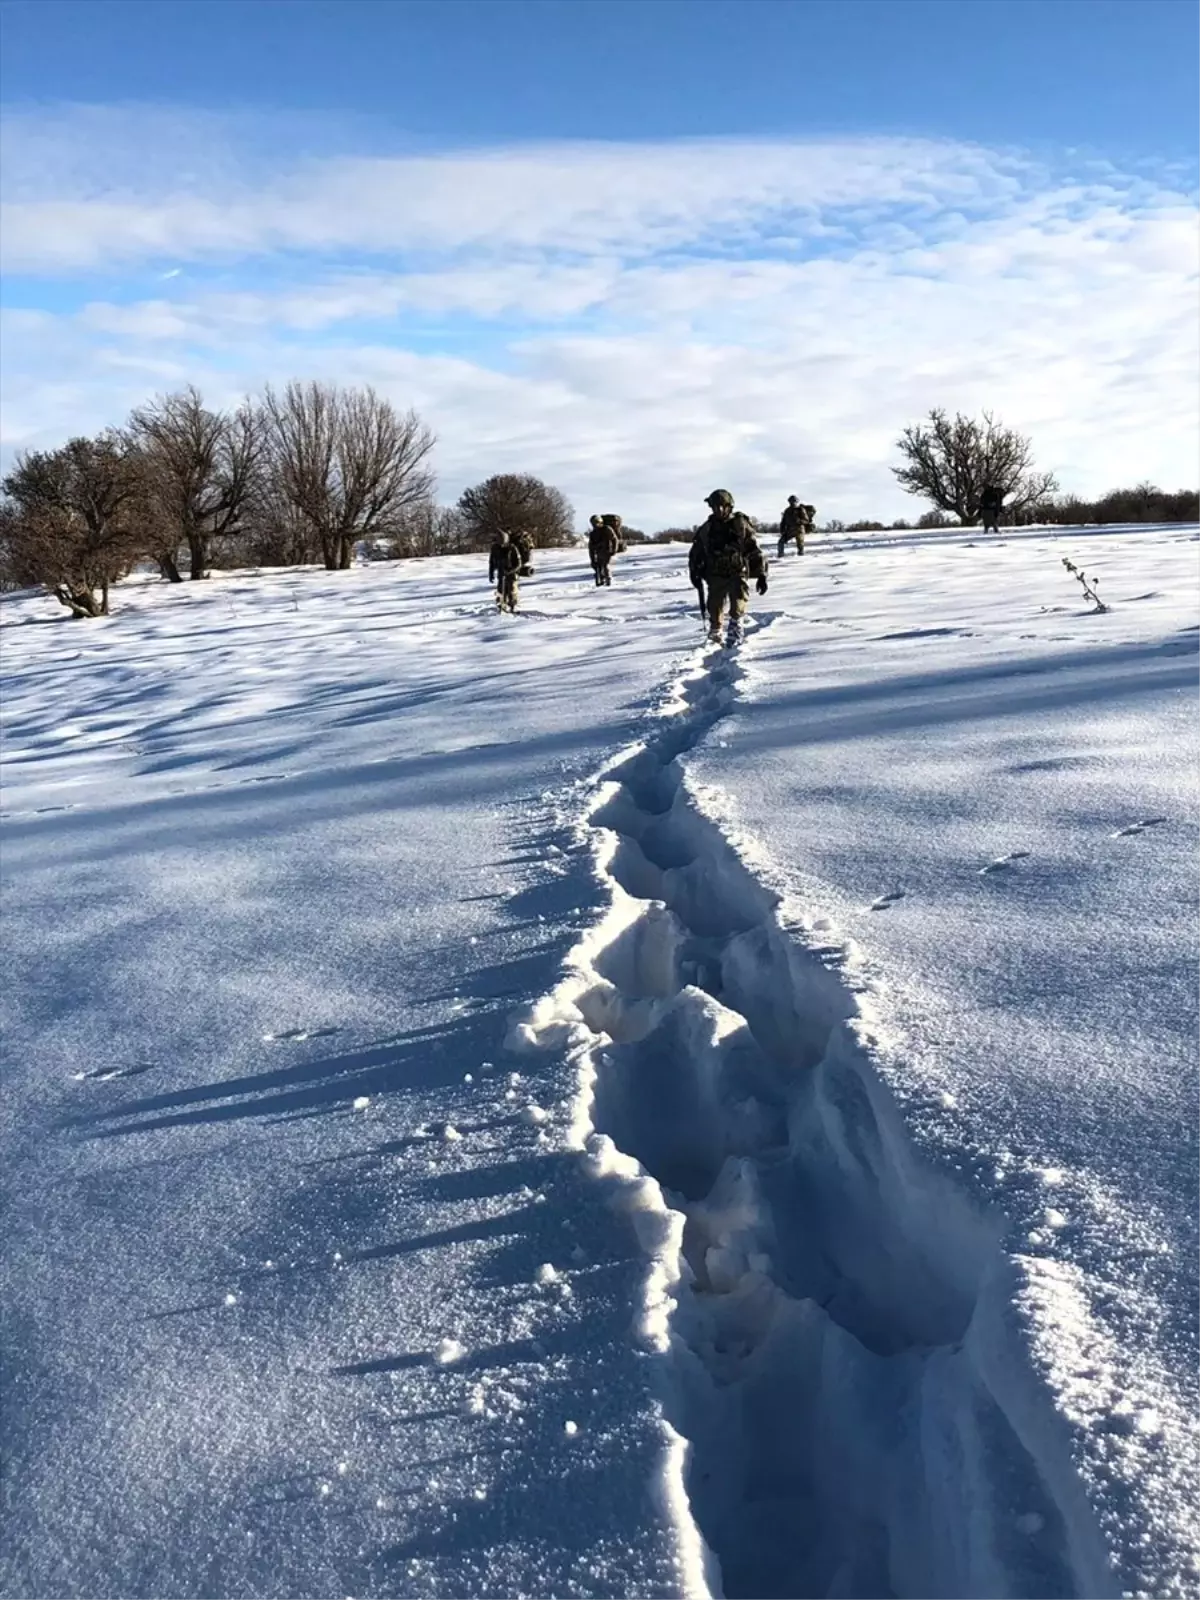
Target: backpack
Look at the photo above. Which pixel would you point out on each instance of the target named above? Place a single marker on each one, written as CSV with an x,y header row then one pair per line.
x,y
726,555
610,519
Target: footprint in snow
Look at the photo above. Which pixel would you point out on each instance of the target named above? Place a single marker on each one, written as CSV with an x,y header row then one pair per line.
x,y
107,1074
886,900
1001,863
1137,827
296,1035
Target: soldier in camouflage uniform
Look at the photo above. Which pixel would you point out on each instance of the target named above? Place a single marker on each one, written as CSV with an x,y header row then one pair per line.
x,y
603,544
727,557
990,502
504,565
796,521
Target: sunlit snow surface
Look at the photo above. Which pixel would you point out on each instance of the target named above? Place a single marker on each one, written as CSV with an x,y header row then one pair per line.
x,y
454,1060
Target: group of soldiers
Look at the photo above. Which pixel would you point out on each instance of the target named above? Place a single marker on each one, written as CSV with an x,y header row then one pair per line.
x,y
723,559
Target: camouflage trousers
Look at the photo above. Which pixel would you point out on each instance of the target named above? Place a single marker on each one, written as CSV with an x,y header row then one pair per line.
x,y
602,570
731,592
507,592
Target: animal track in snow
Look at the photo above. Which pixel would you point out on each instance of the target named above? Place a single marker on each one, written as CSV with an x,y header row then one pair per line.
x,y
1137,827
1002,863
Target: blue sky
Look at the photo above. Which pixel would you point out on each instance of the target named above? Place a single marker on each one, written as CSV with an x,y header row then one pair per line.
x,y
1120,75
626,243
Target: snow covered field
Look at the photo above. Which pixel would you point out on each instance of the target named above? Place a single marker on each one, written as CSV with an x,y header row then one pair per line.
x,y
543,1105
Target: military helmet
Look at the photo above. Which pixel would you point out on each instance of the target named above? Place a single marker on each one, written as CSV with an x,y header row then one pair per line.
x,y
791,499
596,520
502,536
719,497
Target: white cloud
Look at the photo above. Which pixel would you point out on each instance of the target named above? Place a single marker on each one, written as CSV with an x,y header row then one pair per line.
x,y
630,322
102,200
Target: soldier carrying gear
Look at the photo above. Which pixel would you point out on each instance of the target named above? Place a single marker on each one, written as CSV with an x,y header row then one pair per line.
x,y
796,521
727,557
603,544
504,565
990,502
524,546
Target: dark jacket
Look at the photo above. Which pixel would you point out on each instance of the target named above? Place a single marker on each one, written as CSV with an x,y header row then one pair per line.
x,y
504,561
602,543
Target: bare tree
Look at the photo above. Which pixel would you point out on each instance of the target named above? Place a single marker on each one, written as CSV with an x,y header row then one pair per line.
x,y
347,462
274,533
516,502
950,461
426,530
199,469
72,521
16,569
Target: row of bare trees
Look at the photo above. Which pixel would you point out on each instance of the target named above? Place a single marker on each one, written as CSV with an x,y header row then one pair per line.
x,y
300,475
311,472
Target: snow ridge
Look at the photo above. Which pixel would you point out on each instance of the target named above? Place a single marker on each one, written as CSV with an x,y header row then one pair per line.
x,y
837,1326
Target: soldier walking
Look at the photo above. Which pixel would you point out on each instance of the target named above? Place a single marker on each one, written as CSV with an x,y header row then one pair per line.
x,y
603,544
990,502
795,522
727,557
504,565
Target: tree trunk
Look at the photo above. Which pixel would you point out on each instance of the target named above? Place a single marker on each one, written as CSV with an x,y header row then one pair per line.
x,y
169,568
345,554
197,551
104,598
79,602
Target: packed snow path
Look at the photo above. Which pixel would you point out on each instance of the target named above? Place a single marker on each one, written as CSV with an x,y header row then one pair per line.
x,y
307,1288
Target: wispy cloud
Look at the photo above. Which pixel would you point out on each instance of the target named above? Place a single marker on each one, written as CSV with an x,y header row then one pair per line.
x,y
629,321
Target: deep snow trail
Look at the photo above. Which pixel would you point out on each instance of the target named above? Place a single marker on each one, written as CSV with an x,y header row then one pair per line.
x,y
862,1418
277,1207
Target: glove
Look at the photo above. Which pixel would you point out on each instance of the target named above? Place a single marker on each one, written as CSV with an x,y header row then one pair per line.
x,y
761,585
